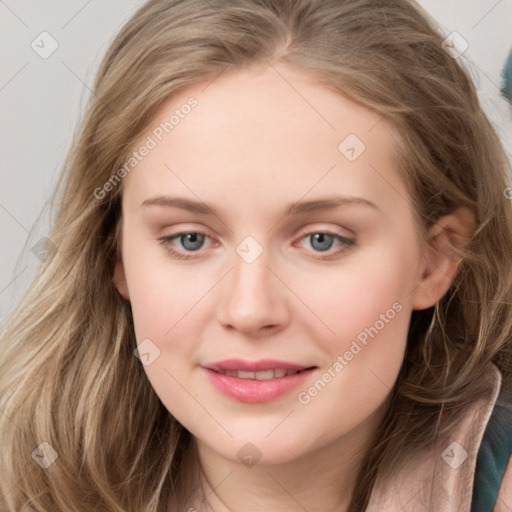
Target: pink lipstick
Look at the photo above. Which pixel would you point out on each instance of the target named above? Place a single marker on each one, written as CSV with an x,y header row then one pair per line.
x,y
256,381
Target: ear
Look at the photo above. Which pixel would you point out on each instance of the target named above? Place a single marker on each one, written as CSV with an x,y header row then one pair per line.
x,y
441,262
119,280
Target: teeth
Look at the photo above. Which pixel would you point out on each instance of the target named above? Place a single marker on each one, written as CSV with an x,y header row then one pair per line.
x,y
264,375
261,375
246,375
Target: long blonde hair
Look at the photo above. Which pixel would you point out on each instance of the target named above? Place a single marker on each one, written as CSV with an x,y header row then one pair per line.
x,y
69,375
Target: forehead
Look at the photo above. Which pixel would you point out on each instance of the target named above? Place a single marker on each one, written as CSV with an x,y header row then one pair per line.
x,y
264,135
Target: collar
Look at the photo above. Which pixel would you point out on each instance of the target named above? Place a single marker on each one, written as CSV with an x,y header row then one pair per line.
x,y
441,478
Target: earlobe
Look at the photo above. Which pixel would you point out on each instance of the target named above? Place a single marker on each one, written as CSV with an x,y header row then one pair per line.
x,y
119,280
441,261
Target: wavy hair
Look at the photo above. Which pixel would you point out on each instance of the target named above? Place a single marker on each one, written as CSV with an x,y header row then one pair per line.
x,y
69,375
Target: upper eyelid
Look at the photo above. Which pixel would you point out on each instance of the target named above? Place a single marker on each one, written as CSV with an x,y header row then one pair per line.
x,y
329,231
301,232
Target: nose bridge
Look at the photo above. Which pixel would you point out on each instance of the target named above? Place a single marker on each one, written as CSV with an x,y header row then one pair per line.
x,y
252,297
251,274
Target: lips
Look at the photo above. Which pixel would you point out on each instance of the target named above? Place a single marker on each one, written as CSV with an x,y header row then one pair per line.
x,y
256,381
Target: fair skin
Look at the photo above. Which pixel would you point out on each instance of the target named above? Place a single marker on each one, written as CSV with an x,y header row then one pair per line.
x,y
252,146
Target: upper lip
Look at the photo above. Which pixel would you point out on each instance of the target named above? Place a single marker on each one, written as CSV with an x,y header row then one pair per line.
x,y
254,366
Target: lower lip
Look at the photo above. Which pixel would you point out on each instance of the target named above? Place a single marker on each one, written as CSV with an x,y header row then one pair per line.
x,y
254,391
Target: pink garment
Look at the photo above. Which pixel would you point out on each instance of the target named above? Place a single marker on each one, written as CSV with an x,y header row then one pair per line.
x,y
430,483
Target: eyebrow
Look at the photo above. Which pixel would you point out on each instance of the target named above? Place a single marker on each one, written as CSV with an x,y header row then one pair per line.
x,y
296,208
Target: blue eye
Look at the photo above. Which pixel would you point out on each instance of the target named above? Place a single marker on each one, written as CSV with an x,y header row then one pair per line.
x,y
323,241
193,241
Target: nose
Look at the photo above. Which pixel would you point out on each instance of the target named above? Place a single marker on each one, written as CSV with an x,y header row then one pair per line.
x,y
253,299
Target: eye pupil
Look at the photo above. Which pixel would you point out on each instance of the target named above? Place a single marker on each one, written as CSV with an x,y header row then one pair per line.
x,y
321,238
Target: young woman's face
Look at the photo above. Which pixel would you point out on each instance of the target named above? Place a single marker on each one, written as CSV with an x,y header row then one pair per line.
x,y
301,254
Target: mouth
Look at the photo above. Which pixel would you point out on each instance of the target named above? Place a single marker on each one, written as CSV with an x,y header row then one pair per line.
x,y
258,381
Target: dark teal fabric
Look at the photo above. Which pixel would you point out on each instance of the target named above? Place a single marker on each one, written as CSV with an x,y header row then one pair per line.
x,y
492,458
506,89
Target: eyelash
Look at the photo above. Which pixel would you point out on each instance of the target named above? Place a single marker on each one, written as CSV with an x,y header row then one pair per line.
x,y
166,241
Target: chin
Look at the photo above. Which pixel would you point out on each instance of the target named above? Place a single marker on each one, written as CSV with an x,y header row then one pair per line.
x,y
258,450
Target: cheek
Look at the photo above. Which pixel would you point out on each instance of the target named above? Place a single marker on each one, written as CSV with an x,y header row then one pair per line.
x,y
162,293
367,310
366,297
168,316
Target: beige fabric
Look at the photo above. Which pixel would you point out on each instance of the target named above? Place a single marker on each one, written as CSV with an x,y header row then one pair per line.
x,y
442,479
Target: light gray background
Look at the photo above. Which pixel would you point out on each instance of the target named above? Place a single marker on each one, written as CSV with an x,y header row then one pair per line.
x,y
41,100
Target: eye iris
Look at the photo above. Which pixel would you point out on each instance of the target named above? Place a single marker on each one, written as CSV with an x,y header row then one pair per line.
x,y
193,238
321,237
